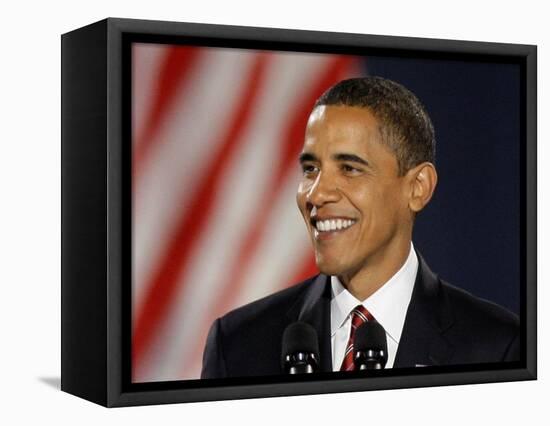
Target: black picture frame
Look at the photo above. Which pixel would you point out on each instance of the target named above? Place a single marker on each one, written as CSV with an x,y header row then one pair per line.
x,y
96,207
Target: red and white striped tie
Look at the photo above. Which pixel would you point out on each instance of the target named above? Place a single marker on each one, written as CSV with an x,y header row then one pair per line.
x,y
359,316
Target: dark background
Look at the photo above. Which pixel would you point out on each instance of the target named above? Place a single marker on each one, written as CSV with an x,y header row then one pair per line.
x,y
470,232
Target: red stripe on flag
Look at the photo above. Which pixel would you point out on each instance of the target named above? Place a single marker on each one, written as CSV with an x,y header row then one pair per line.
x,y
288,161
173,74
189,227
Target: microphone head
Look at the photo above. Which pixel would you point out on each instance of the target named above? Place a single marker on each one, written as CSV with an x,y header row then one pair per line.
x,y
299,337
370,337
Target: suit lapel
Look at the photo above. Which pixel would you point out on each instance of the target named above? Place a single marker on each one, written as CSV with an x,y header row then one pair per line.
x,y
314,308
428,317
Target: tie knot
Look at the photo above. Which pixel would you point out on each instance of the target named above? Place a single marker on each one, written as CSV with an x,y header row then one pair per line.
x,y
360,315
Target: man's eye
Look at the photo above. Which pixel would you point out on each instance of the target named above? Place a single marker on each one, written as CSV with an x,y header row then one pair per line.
x,y
309,169
350,169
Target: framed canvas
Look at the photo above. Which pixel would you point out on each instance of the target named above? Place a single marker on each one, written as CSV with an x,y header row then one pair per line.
x,y
189,152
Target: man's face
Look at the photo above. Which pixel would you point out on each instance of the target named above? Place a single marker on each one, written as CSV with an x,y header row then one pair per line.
x,y
351,196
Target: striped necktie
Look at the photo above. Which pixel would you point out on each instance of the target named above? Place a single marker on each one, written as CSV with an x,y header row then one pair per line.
x,y
359,316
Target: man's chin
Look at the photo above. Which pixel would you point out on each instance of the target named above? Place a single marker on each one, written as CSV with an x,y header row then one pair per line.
x,y
330,268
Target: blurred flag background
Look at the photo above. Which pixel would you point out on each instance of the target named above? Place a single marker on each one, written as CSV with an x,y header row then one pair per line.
x,y
216,135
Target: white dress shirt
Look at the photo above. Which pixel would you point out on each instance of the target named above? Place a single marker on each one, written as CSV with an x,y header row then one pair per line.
x,y
388,305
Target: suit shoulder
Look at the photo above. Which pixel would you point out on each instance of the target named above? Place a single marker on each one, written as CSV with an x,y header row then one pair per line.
x,y
482,313
247,340
268,309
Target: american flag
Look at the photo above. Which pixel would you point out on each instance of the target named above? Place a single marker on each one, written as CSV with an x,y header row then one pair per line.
x,y
216,134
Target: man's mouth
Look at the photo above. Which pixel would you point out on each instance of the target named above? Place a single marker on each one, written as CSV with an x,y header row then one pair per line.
x,y
323,228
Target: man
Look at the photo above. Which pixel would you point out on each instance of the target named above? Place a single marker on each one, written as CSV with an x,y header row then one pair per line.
x,y
368,169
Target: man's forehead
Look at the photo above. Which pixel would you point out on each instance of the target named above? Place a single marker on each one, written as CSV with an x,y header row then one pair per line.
x,y
334,127
317,114
337,121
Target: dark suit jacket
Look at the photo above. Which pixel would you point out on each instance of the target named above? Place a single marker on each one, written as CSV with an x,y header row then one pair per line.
x,y
443,326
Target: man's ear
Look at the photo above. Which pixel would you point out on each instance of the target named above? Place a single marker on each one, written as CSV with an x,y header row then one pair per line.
x,y
423,180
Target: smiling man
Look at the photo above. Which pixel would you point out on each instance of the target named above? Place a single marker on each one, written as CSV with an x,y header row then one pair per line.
x,y
368,170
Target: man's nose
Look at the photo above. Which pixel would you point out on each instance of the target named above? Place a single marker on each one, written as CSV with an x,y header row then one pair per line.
x,y
323,190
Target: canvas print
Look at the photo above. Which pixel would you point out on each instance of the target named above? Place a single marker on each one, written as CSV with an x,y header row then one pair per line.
x,y
251,177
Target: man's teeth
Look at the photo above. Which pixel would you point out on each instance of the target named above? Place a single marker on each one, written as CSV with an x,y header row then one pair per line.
x,y
333,224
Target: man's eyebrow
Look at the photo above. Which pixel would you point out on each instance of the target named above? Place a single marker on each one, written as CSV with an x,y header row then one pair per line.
x,y
306,156
350,157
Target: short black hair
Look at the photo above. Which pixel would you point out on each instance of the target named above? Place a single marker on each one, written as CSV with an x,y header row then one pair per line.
x,y
405,126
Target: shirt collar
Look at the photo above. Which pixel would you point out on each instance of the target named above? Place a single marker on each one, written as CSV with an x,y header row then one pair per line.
x,y
388,305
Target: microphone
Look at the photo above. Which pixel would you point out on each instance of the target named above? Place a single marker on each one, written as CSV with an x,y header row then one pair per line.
x,y
370,347
300,349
